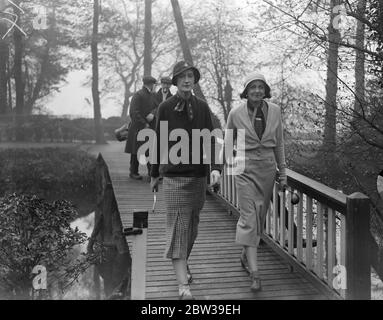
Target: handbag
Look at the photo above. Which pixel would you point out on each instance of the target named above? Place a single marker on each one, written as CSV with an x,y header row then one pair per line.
x,y
122,132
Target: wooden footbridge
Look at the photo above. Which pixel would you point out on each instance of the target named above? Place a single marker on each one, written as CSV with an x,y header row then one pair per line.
x,y
320,248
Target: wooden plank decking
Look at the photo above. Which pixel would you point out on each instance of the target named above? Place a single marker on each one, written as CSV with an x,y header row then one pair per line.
x,y
214,261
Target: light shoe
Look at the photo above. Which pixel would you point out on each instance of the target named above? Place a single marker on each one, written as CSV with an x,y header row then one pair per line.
x,y
184,292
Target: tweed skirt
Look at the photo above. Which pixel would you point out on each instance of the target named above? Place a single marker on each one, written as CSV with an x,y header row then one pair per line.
x,y
254,189
184,199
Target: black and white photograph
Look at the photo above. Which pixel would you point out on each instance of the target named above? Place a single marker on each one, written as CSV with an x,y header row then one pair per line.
x,y
213,151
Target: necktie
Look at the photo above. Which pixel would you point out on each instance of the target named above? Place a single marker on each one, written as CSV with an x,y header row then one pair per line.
x,y
259,122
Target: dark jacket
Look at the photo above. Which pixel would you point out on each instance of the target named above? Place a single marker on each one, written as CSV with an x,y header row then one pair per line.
x,y
159,96
179,119
143,102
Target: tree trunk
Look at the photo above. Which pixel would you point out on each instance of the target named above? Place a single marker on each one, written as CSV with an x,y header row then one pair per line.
x,y
10,103
228,99
44,62
35,94
184,42
3,70
329,143
100,139
148,38
19,82
359,63
125,106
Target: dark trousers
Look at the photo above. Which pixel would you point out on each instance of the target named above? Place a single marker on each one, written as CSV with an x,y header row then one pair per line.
x,y
134,164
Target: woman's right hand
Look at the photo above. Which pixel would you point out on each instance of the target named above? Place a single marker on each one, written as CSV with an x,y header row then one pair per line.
x,y
282,183
282,180
150,117
154,184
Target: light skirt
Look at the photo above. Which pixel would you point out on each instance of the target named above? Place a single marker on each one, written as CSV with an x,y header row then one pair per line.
x,y
254,189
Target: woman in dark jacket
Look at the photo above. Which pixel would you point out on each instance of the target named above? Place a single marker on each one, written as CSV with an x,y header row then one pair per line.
x,y
184,184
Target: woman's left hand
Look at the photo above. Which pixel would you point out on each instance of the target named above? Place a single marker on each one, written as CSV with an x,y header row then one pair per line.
x,y
215,177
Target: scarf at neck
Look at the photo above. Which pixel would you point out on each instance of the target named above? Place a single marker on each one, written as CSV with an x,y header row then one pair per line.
x,y
183,103
252,105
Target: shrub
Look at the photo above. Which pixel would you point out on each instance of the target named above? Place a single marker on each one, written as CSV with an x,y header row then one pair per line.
x,y
35,232
51,173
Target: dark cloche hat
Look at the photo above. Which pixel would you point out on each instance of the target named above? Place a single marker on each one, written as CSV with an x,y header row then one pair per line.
x,y
182,66
149,80
167,80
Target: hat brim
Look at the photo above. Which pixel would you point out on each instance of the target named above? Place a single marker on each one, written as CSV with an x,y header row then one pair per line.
x,y
149,82
243,95
197,75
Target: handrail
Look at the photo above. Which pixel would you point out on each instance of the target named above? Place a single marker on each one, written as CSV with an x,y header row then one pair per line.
x,y
332,198
326,235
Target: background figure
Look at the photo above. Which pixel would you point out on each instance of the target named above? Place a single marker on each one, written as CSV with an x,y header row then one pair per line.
x,y
264,151
142,113
184,185
164,93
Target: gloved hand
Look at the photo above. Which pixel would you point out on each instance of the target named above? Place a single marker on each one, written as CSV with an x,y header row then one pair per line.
x,y
215,177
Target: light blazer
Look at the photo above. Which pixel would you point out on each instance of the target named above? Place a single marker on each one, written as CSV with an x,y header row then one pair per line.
x,y
272,139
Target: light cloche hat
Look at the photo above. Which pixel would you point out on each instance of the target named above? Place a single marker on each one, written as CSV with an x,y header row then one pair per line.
x,y
253,77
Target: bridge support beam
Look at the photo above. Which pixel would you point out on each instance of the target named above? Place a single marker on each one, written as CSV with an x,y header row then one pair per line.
x,y
358,262
139,231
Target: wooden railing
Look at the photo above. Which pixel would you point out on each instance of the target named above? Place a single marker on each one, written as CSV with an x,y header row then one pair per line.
x,y
325,235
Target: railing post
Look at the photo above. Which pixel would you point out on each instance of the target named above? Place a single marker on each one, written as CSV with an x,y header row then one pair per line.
x,y
358,264
139,230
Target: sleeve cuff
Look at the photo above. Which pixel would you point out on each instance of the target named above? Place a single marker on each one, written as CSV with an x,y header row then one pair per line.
x,y
155,172
216,167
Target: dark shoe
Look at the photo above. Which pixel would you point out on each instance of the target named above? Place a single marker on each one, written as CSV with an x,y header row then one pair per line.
x,y
244,263
189,275
135,176
256,281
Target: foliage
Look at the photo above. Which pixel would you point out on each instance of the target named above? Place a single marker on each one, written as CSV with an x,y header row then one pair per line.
x,y
46,58
375,14
39,128
49,173
220,51
35,232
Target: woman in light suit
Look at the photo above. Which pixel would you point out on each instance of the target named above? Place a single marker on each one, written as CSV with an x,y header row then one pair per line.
x,y
263,147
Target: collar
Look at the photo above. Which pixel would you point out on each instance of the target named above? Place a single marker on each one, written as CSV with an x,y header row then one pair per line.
x,y
147,89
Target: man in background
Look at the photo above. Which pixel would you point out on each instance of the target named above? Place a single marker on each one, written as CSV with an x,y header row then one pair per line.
x,y
164,93
142,112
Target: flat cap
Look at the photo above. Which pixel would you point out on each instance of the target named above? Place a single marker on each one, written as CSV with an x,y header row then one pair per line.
x,y
149,80
167,80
